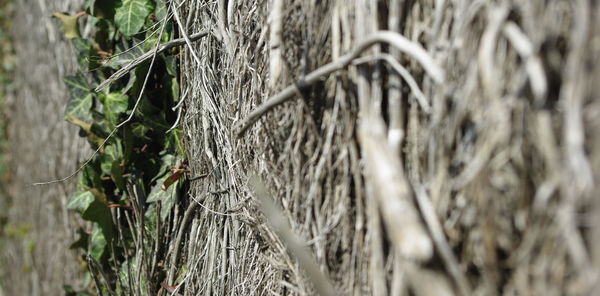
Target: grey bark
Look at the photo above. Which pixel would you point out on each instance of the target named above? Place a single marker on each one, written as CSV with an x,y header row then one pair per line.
x,y
43,146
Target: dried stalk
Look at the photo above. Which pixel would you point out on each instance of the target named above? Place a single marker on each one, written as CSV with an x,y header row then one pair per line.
x,y
277,222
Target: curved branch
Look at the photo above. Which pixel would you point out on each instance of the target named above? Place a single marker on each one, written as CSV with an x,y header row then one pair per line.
x,y
396,40
410,81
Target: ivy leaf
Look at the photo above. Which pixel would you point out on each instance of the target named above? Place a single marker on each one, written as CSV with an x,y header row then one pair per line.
x,y
98,244
69,291
112,153
82,242
91,174
116,172
140,130
81,99
80,201
174,88
161,9
167,161
105,30
171,65
174,142
84,49
70,26
167,197
91,204
126,271
101,8
115,104
128,142
131,15
92,137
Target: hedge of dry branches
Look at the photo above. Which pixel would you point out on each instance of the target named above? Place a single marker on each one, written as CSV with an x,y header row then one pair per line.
x,y
476,180
382,148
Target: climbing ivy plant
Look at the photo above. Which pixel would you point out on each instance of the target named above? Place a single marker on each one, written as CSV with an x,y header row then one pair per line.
x,y
133,171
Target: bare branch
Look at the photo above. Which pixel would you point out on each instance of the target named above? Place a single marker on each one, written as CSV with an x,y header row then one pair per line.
x,y
394,39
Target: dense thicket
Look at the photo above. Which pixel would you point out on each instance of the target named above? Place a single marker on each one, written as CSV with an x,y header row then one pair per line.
x,y
426,147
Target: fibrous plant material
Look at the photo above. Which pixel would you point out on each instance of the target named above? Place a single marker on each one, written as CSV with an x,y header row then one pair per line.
x,y
435,147
481,150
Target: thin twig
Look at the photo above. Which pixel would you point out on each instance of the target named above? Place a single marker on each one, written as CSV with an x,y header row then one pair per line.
x,y
178,106
188,42
183,97
183,225
394,39
212,211
176,123
150,54
439,239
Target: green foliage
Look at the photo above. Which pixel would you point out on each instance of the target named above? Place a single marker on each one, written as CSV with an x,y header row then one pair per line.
x,y
140,153
131,16
70,24
81,100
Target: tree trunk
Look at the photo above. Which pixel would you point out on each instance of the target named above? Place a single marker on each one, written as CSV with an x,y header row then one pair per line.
x,y
43,147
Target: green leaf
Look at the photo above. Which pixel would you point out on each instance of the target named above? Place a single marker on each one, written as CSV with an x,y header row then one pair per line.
x,y
84,49
169,196
127,272
101,8
91,204
105,30
98,244
161,10
70,26
167,161
112,153
91,174
81,99
100,128
115,104
82,242
69,291
171,64
174,142
181,273
128,142
131,15
116,172
157,194
80,201
174,88
140,130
